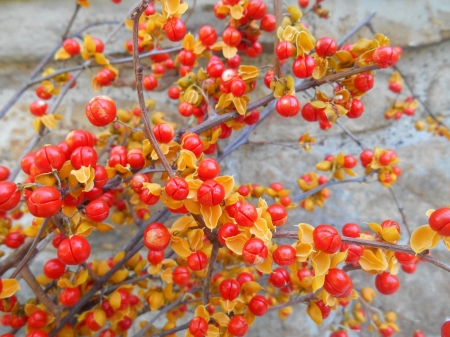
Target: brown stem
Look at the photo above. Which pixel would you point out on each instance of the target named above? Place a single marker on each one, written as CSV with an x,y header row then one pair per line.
x,y
31,250
304,85
375,244
278,9
400,210
212,263
301,299
14,258
138,69
329,183
72,19
28,276
351,135
172,331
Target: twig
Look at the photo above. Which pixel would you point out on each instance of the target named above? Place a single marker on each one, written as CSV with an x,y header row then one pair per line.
x,y
375,244
161,312
329,183
410,88
31,80
72,19
15,257
31,250
290,145
351,135
301,299
278,9
138,69
212,263
112,61
172,331
28,276
400,210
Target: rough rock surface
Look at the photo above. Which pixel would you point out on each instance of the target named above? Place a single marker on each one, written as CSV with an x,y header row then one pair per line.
x,y
30,29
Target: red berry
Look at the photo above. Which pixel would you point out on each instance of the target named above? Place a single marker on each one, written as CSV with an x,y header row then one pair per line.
x,y
181,275
42,93
74,250
231,36
238,87
164,133
37,319
303,66
354,252
252,117
326,239
338,283
108,332
311,114
385,56
149,82
174,92
254,251
105,77
155,257
9,196
229,289
288,106
210,193
177,188
395,87
186,57
363,82
258,305
386,283
57,239
227,230
198,327
349,161
280,278
234,62
246,215
326,47
284,50
439,221
193,143
390,223
208,35
35,333
156,236
49,158
101,111
256,9
79,138
71,47
125,323
284,255
175,29
366,157
324,309
197,261
244,277
404,258
44,202
305,272
268,23
83,156
97,210
54,269
278,214
269,77
14,240
238,326
148,198
38,108
351,230
356,109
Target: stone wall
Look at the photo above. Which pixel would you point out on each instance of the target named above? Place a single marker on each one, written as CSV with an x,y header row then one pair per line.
x,y
29,29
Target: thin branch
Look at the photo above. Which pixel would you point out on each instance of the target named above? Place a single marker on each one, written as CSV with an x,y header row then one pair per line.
x,y
15,257
375,244
212,263
31,250
28,276
329,183
278,9
351,135
72,20
400,210
138,69
301,299
161,312
172,331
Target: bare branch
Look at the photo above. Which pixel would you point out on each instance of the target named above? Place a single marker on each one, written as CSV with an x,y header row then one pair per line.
x,y
72,20
212,263
138,69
